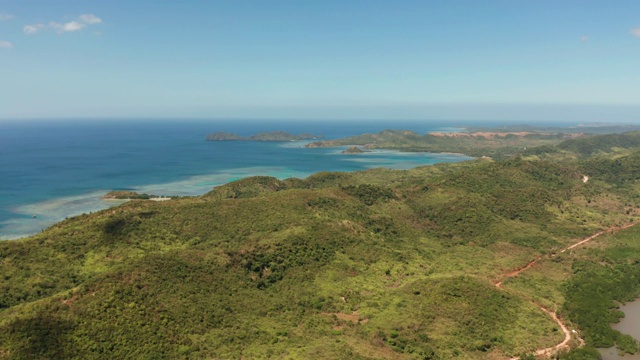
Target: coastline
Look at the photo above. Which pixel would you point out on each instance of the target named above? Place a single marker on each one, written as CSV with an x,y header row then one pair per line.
x,y
370,150
120,160
49,212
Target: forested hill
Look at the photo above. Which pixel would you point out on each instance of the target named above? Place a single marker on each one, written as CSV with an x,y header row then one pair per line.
x,y
365,265
498,143
603,143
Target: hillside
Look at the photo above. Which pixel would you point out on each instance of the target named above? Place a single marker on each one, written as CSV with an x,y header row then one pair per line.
x,y
499,143
488,143
379,264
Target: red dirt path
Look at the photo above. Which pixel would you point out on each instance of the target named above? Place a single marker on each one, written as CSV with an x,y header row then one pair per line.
x,y
548,352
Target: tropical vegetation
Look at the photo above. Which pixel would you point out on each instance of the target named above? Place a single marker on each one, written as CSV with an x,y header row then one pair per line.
x,y
377,264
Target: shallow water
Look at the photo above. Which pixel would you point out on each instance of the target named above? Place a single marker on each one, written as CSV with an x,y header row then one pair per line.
x,y
612,354
630,325
50,170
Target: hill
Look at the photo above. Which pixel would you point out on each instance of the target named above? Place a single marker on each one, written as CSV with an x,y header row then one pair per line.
x,y
499,143
487,143
365,265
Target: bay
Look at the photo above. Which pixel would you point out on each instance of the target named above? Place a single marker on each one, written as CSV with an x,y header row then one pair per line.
x,y
630,325
52,169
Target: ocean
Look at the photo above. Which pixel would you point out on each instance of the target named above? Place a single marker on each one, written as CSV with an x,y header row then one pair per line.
x,y
53,169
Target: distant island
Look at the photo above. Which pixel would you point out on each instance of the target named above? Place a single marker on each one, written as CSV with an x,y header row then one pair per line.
x,y
353,150
496,144
131,195
262,136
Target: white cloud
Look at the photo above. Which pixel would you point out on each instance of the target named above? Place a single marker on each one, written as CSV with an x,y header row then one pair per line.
x,y
584,38
89,19
32,29
80,23
67,27
5,44
635,31
5,17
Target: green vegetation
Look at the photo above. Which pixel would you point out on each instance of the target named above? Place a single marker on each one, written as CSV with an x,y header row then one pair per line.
x,y
610,274
601,144
618,171
353,150
500,143
364,265
491,144
127,195
595,129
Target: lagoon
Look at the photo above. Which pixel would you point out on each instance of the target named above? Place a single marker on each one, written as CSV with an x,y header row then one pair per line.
x,y
630,325
54,169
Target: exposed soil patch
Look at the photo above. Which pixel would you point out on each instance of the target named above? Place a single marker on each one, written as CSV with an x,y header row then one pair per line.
x,y
353,317
71,300
485,134
490,135
515,272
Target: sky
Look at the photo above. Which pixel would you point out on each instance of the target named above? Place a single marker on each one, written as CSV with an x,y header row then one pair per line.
x,y
331,59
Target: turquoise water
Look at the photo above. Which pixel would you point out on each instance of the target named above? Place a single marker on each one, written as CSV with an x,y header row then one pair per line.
x,y
50,170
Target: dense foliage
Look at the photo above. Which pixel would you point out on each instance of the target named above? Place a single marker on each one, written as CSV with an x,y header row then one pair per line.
x,y
601,144
365,265
591,292
496,145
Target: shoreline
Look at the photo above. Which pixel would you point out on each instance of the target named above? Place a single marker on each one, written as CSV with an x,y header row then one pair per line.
x,y
165,172
160,198
53,210
370,150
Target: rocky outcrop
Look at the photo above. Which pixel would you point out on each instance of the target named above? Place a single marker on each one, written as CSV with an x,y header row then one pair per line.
x,y
353,150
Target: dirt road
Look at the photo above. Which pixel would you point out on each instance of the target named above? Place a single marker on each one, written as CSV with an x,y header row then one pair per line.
x,y
548,352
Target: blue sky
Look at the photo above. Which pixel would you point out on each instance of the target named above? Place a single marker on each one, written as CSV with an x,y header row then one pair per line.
x,y
498,60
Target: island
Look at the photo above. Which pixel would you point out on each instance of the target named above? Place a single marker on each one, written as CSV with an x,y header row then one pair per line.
x,y
353,150
132,195
497,143
262,136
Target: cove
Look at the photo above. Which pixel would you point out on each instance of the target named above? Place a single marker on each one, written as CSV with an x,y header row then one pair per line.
x,y
630,325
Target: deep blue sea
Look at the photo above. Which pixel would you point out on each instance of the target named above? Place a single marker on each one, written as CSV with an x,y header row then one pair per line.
x,y
54,169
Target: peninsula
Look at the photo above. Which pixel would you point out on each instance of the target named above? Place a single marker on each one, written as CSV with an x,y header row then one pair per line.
x,y
262,136
132,195
126,195
498,144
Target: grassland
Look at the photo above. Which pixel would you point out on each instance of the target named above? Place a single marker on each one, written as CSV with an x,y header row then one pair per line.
x,y
377,264
498,145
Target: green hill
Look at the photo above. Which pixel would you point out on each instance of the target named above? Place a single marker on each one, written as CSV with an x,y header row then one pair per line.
x,y
604,143
364,265
494,144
